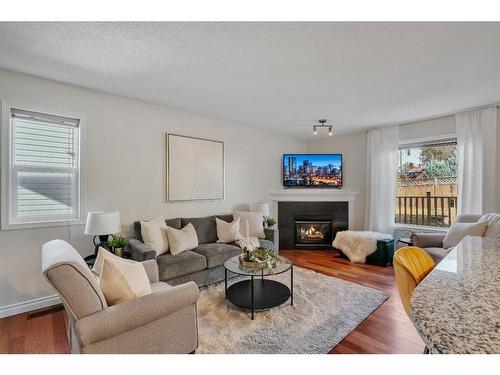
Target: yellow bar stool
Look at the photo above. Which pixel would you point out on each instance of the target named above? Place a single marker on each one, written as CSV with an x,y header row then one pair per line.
x,y
411,265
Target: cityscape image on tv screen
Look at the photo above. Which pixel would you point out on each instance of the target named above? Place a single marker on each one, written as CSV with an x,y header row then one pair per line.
x,y
312,170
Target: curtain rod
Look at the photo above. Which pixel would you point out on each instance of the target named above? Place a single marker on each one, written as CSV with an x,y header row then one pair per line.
x,y
447,114
421,119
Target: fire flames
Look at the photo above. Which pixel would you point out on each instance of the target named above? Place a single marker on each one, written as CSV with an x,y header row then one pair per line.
x,y
311,233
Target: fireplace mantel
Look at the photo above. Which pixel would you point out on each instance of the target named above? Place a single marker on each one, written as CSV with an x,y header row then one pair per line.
x,y
314,195
326,195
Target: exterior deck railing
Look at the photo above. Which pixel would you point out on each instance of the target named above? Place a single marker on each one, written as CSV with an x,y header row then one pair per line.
x,y
426,210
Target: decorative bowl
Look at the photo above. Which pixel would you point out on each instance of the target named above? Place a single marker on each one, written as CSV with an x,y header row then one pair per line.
x,y
251,263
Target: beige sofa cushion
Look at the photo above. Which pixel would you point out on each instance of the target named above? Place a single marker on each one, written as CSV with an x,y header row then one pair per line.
x,y
458,231
123,281
251,220
103,254
228,232
153,234
182,239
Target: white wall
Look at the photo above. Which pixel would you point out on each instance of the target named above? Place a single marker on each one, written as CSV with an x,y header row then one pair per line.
x,y
353,148
430,128
125,163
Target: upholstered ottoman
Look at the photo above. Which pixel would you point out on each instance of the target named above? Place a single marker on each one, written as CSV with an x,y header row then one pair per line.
x,y
365,246
384,253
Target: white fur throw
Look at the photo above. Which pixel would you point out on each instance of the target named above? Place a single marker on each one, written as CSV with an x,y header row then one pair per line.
x,y
357,245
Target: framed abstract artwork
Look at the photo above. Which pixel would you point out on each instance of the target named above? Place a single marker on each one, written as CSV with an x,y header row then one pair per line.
x,y
195,169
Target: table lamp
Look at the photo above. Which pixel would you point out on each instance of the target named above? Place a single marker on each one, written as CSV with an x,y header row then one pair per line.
x,y
101,225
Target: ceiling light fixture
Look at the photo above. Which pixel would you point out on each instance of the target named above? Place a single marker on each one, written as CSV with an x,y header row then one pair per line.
x,y
323,124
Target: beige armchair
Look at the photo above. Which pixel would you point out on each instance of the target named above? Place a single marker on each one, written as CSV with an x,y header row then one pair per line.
x,y
162,322
433,242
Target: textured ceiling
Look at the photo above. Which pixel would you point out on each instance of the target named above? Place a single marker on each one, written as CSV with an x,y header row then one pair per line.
x,y
276,76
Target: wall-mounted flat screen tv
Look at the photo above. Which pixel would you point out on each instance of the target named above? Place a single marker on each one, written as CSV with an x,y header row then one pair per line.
x,y
312,170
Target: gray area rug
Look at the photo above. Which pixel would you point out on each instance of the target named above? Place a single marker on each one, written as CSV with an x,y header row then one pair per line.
x,y
325,310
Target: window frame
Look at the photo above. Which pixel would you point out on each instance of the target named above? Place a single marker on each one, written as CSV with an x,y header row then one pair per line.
x,y
8,173
414,142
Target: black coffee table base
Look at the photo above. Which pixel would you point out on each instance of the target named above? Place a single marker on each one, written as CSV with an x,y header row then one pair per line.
x,y
259,293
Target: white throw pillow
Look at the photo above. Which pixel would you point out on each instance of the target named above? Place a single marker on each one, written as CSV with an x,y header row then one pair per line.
x,y
182,239
252,220
228,232
123,281
103,254
154,235
458,231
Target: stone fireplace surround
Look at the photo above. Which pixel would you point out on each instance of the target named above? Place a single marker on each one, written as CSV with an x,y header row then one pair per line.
x,y
289,204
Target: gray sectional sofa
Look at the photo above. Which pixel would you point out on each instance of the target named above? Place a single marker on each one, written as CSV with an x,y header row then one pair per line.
x,y
205,264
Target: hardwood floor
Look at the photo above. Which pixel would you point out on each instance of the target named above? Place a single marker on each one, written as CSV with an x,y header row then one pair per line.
x,y
42,331
386,330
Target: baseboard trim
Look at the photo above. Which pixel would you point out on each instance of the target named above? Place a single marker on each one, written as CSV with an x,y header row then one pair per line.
x,y
34,304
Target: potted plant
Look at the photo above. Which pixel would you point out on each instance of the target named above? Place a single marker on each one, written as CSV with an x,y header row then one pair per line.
x,y
118,243
266,257
270,222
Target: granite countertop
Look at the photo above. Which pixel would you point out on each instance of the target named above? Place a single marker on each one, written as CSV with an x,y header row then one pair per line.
x,y
456,308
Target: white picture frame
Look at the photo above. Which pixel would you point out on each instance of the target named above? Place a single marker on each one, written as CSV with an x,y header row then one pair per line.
x,y
195,169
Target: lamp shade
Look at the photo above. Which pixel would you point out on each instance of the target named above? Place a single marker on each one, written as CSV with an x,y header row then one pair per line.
x,y
261,208
101,223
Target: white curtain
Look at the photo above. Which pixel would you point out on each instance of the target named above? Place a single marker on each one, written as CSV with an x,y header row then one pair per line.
x,y
382,165
476,139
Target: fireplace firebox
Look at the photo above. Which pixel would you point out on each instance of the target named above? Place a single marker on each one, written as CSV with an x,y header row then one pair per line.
x,y
313,232
295,220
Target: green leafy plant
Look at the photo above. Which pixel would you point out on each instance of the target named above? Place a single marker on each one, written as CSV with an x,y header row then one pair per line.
x,y
270,221
265,255
117,241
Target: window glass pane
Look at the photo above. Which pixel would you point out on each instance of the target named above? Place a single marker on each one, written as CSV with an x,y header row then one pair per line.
x,y
44,175
44,144
44,195
427,184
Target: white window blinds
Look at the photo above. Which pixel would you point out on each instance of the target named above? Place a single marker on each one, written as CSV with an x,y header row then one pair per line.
x,y
44,172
